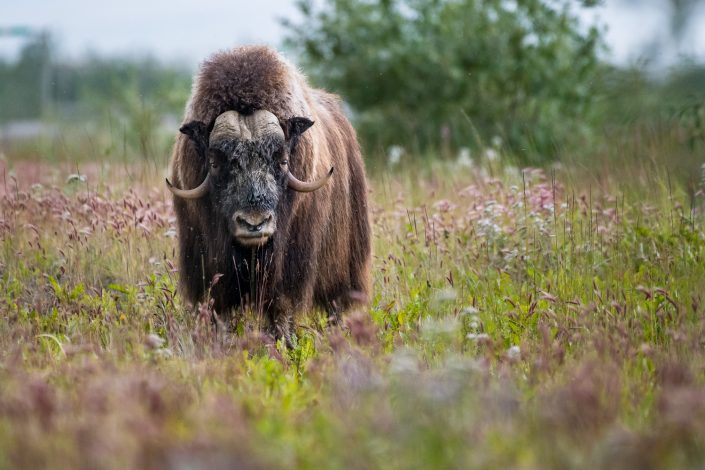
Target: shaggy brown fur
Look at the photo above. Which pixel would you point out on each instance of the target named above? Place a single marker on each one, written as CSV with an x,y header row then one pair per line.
x,y
320,254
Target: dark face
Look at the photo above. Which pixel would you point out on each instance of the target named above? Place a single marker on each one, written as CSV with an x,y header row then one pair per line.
x,y
247,183
247,174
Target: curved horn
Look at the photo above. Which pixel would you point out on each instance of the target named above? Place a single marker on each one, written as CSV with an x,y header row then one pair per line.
x,y
304,187
195,193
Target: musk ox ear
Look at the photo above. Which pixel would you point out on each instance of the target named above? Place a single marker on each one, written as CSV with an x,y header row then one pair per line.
x,y
198,133
293,128
296,126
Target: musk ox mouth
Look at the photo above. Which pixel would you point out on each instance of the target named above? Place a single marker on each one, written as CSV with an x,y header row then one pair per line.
x,y
252,240
253,229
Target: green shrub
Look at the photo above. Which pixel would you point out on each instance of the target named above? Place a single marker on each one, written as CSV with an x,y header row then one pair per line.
x,y
431,74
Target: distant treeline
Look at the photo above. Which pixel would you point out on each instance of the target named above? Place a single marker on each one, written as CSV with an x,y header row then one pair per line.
x,y
39,85
422,77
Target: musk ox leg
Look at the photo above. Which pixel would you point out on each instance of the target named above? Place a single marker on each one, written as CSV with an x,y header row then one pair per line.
x,y
341,304
361,239
191,261
280,320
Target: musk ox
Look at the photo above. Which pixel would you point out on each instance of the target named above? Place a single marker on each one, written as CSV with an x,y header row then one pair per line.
x,y
269,192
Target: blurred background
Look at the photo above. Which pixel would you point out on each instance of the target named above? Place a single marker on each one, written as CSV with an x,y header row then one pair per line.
x,y
530,82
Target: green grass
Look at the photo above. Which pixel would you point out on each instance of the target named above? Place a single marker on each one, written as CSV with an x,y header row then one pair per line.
x,y
526,320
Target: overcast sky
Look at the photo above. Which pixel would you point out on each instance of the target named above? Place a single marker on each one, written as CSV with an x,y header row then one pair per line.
x,y
174,30
186,31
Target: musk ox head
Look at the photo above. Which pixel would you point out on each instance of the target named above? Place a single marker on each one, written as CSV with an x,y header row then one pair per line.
x,y
247,157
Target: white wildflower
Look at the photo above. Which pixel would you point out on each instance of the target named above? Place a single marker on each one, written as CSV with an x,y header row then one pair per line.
x,y
154,341
488,227
477,336
394,154
444,295
470,311
464,159
164,353
439,326
514,353
76,178
491,154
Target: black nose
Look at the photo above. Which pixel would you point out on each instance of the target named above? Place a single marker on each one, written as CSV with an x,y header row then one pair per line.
x,y
255,198
253,223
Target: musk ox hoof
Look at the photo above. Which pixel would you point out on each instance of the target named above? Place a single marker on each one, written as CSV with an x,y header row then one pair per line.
x,y
281,328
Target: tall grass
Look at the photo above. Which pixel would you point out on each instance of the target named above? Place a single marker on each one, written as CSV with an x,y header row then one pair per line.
x,y
521,318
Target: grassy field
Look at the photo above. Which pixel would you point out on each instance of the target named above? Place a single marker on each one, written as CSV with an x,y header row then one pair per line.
x,y
520,319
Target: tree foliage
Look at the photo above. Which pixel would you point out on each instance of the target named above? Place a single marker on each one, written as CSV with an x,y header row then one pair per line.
x,y
39,84
434,73
24,85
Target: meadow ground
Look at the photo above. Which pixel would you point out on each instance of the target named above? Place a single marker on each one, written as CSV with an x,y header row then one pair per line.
x,y
520,319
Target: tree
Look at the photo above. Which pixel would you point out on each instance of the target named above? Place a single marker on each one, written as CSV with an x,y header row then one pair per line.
x,y
441,74
24,93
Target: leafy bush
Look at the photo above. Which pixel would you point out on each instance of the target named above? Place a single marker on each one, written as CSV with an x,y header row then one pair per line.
x,y
443,74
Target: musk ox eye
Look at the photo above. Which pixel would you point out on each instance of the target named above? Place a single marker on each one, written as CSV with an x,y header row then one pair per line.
x,y
215,160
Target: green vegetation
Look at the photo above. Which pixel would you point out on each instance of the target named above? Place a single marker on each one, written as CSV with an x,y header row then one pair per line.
x,y
25,84
428,79
525,320
538,318
445,72
40,85
435,77
123,109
